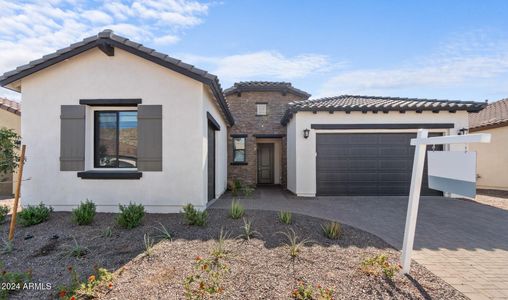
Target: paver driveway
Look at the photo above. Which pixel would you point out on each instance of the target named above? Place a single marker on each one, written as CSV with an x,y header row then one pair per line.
x,y
463,242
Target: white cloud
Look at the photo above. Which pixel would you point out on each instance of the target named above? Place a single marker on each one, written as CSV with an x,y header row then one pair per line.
x,y
166,39
469,58
30,29
262,65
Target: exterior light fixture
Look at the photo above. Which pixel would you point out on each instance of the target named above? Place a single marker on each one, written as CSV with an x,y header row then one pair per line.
x,y
306,132
463,131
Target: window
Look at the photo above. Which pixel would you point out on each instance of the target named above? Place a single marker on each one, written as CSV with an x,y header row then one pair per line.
x,y
239,149
115,139
261,109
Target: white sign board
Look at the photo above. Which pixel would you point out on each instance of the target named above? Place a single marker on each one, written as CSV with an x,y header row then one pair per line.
x,y
453,172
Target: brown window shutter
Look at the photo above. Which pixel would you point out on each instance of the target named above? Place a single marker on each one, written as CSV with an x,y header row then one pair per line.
x,y
72,138
150,137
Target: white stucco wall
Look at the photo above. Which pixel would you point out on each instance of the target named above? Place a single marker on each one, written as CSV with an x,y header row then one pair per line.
x,y
493,159
302,152
95,75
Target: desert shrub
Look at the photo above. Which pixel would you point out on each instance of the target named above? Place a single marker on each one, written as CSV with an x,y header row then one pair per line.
x,y
84,213
206,281
7,246
285,217
308,292
107,232
12,281
32,215
378,265
164,232
9,144
247,191
219,249
76,249
87,289
236,187
148,244
194,216
130,215
237,210
332,230
294,242
247,231
4,210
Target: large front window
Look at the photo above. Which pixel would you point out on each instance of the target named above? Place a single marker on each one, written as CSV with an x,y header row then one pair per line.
x,y
116,139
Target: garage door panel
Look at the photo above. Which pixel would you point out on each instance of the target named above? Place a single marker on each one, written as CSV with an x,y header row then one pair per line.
x,y
366,164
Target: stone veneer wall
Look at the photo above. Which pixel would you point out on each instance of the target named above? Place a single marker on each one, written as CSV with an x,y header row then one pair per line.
x,y
243,109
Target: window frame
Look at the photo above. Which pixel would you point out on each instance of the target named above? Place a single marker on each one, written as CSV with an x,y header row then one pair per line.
x,y
244,161
266,109
95,138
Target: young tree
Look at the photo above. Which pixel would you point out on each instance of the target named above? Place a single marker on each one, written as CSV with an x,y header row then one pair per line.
x,y
9,144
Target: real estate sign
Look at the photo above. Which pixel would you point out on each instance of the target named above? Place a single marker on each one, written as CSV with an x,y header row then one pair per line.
x,y
453,172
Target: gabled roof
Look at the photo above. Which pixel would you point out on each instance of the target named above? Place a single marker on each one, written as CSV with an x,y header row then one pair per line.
x,y
10,106
107,41
265,86
350,103
494,115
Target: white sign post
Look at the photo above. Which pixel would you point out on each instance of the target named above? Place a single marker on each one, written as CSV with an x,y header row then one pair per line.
x,y
421,142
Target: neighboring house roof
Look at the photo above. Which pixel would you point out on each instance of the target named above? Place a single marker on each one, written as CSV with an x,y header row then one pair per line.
x,y
264,86
494,115
107,41
350,103
10,106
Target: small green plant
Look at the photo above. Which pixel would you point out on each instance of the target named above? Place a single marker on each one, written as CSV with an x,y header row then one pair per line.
x,y
378,265
4,210
164,232
194,216
332,230
285,217
148,244
236,187
294,242
237,210
247,191
7,246
206,281
219,250
130,215
107,232
84,213
247,231
308,292
12,281
32,215
76,250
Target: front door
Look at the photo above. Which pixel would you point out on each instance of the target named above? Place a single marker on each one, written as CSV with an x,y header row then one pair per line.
x,y
265,163
211,163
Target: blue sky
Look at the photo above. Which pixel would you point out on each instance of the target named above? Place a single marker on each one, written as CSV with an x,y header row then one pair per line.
x,y
426,49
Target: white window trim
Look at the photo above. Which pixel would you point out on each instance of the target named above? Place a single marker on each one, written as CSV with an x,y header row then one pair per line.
x,y
257,109
89,136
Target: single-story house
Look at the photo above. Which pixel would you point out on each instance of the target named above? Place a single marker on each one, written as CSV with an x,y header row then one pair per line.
x,y
492,159
113,121
10,117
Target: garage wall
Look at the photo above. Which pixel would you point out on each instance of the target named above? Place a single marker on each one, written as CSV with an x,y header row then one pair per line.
x,y
303,165
493,159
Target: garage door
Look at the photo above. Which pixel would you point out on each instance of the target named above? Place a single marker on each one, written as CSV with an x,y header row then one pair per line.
x,y
366,164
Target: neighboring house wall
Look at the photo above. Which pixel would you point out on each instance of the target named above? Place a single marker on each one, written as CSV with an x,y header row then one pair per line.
x,y
12,121
246,122
303,161
93,75
492,159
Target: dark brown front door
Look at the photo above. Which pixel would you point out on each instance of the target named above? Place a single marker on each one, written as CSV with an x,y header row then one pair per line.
x,y
265,163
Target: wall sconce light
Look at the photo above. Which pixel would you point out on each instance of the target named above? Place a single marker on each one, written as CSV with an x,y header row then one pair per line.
x,y
306,132
463,131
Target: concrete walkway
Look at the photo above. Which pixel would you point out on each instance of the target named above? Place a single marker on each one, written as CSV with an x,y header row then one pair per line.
x,y
463,242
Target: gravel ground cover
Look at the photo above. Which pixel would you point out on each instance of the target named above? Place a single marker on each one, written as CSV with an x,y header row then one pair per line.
x,y
260,268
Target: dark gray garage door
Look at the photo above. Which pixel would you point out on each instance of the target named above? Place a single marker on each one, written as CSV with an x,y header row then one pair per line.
x,y
366,164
